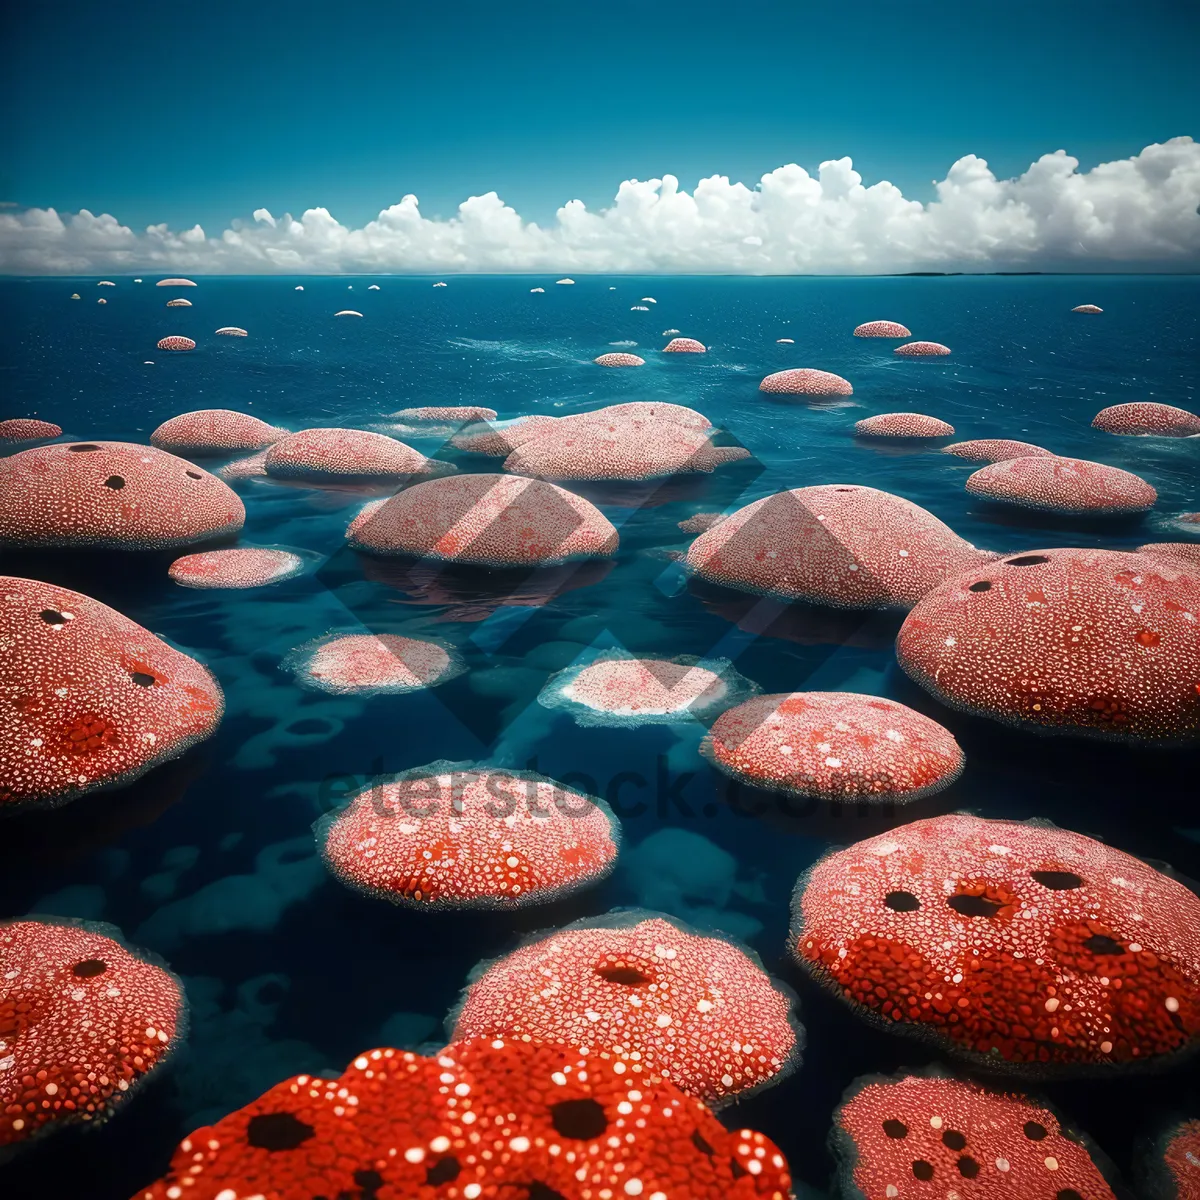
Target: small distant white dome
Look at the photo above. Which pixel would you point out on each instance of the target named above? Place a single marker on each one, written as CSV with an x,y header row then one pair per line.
x,y
138,281
349,287
232,331
179,304
564,281
537,289
612,289
373,288
299,288
785,341
439,284
74,295
347,312
669,332
106,283
176,283
102,300
638,308
649,300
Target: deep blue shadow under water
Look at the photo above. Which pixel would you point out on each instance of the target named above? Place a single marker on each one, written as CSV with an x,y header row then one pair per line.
x,y
306,974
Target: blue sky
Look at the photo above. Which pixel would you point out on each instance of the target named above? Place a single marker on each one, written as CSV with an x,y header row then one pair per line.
x,y
205,112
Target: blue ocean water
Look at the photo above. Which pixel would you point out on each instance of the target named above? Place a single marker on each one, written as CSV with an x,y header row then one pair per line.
x,y
209,861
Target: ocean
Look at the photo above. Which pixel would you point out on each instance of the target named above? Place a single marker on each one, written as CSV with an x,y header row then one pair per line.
x,y
209,861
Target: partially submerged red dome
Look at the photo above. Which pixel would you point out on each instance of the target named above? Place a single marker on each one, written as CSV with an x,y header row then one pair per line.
x,y
835,746
1094,642
922,350
214,431
447,412
1147,420
1021,946
241,567
357,663
836,544
619,360
954,1135
25,429
453,836
487,520
805,381
883,329
1087,308
1187,553
82,1021
330,455
989,450
683,345
695,1010
1068,486
500,438
175,342
903,425
1174,1172
111,495
95,699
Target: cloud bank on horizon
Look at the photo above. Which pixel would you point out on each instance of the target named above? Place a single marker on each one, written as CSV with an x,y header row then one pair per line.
x,y
1139,211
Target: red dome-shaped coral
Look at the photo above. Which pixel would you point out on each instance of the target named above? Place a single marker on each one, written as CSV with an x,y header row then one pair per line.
x,y
805,381
450,413
487,520
24,429
237,568
1022,946
922,350
1087,308
174,342
370,663
991,450
882,329
175,283
835,746
619,360
1068,486
214,431
1094,642
695,1010
1187,553
500,438
683,345
925,1135
179,304
82,1021
232,331
90,699
333,455
837,544
487,1119
903,425
454,836
1173,1170
1147,420
111,495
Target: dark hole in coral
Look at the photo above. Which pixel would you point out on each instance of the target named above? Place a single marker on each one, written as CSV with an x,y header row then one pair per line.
x,y
974,906
954,1139
737,1169
1026,560
115,482
582,1119
1099,944
843,489
1057,881
141,678
539,1191
370,1181
277,1131
968,1168
894,1128
983,585
445,1170
82,447
1067,1194
619,973
922,1169
1034,1132
902,902
51,617
700,1144
89,968
311,725
193,474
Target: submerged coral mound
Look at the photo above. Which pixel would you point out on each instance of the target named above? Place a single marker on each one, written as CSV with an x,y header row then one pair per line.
x,y
486,520
903,425
1025,947
836,746
372,663
487,1118
90,698
27,429
621,689
683,345
953,1135
83,1020
882,329
1100,643
451,835
1067,486
637,986
1087,308
499,438
174,342
113,496
243,567
1181,552
922,350
990,450
333,455
1172,1171
1146,419
450,413
214,431
806,381
619,360
838,544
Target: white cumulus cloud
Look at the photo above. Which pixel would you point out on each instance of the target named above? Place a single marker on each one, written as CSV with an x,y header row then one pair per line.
x,y
1139,211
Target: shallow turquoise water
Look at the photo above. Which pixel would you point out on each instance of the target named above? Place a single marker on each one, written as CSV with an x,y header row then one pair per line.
x,y
209,861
